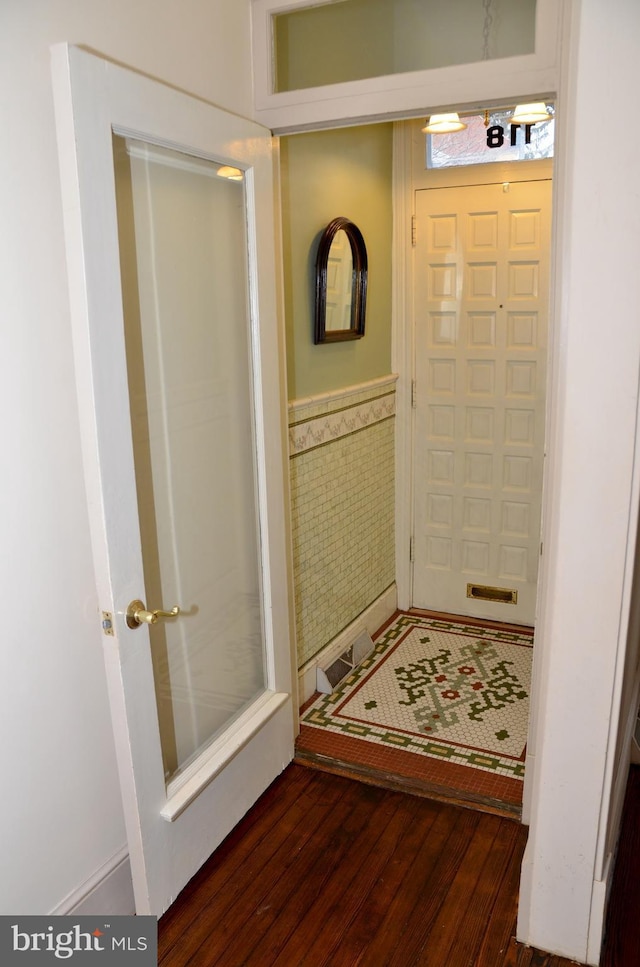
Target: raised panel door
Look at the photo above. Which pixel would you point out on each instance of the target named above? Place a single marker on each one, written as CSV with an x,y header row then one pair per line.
x,y
481,308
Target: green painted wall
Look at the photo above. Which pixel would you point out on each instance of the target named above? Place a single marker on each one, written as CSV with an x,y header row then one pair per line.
x,y
330,44
325,174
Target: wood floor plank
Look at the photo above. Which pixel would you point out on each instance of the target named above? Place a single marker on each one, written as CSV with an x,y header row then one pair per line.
x,y
415,906
481,888
351,888
435,945
274,811
219,902
541,959
517,955
301,897
502,922
328,872
391,880
244,912
521,955
415,787
622,945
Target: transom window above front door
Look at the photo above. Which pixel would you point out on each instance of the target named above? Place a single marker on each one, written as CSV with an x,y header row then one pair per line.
x,y
490,137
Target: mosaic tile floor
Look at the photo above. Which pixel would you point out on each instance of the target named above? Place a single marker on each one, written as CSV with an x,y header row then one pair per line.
x,y
439,701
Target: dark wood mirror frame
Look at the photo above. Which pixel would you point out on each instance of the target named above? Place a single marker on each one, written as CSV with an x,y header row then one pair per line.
x,y
358,287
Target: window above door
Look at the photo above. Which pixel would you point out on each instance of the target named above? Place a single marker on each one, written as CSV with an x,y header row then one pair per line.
x,y
491,137
357,39
316,63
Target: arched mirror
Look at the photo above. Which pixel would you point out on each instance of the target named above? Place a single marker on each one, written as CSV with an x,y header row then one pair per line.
x,y
341,283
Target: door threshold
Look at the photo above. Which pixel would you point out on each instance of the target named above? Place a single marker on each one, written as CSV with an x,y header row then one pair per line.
x,y
479,622
415,787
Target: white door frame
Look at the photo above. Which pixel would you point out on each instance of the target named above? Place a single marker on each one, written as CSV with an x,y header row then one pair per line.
x,y
403,355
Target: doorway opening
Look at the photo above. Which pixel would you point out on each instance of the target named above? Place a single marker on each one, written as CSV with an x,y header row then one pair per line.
x,y
482,413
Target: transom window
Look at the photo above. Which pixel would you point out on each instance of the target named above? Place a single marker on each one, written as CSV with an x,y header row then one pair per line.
x,y
491,138
349,40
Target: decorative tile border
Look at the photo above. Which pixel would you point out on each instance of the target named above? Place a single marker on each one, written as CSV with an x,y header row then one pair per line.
x,y
324,429
421,774
306,407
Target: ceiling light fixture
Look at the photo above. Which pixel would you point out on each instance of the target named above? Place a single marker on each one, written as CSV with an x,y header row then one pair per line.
x,y
233,174
530,113
444,124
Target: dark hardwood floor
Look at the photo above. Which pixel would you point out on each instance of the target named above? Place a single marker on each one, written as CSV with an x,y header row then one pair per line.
x,y
326,870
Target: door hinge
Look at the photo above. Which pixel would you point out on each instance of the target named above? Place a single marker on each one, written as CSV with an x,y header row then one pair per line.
x,y
541,546
411,549
414,394
414,230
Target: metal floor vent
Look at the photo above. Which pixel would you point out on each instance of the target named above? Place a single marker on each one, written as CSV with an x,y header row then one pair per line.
x,y
327,679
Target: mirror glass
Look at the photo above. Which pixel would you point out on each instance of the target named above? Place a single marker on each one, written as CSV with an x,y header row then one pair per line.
x,y
341,283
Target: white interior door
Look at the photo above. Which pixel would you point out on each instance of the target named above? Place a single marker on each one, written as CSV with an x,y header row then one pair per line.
x,y
481,305
180,381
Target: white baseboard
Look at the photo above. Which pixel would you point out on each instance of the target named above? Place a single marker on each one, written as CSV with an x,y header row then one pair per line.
x,y
108,891
370,620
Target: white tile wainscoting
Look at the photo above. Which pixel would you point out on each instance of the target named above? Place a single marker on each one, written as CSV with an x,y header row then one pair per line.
x,y
341,449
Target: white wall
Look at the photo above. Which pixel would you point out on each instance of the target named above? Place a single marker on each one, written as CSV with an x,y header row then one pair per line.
x,y
60,811
592,498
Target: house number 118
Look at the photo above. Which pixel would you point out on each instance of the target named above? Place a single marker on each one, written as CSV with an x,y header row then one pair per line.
x,y
495,135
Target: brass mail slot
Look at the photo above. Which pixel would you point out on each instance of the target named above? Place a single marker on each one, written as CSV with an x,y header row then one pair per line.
x,y
484,593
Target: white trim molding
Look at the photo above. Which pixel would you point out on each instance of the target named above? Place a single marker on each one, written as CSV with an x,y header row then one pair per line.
x,y
402,355
108,892
345,392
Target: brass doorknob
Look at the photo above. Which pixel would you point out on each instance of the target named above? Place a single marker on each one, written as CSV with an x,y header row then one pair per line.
x,y
137,614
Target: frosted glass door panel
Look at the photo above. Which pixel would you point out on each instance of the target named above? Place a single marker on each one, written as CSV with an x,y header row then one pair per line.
x,y
183,249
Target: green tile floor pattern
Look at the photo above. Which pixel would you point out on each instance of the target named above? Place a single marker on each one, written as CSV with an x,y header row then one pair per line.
x,y
466,685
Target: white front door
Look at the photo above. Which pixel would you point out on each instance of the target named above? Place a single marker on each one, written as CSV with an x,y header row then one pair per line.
x,y
179,369
481,305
